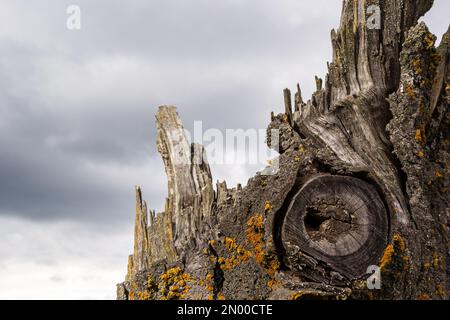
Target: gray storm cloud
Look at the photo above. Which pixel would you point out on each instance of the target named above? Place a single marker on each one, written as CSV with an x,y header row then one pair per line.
x,y
77,114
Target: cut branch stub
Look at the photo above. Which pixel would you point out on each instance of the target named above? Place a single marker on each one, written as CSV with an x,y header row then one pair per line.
x,y
338,220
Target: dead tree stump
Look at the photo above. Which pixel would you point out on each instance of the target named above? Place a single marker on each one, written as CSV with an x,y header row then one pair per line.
x,y
363,181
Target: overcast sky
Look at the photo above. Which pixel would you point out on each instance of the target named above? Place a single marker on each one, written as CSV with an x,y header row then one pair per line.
x,y
77,128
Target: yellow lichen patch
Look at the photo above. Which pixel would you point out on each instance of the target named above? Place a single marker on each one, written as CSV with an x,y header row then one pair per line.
x,y
230,244
173,284
387,256
436,260
420,137
410,91
417,65
397,248
297,295
440,291
424,296
421,154
137,294
209,283
309,294
238,255
209,277
447,88
267,207
430,41
398,240
210,288
143,295
255,235
405,262
272,284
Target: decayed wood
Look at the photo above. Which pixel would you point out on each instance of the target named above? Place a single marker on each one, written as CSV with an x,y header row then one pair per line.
x,y
189,179
338,220
362,180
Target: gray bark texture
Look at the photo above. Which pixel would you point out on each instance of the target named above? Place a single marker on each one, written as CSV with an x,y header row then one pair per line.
x,y
363,180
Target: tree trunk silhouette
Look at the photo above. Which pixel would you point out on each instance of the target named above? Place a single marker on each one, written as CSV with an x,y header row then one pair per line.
x,y
362,181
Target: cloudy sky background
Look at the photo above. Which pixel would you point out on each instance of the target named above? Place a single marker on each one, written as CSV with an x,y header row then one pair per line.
x,y
77,112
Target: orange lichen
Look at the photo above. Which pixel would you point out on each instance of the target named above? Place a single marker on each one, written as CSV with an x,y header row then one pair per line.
x,y
297,295
208,283
209,277
398,240
405,262
137,294
396,249
436,260
430,41
440,291
439,174
255,235
420,137
424,296
417,65
230,244
387,256
238,254
410,91
267,207
174,284
272,283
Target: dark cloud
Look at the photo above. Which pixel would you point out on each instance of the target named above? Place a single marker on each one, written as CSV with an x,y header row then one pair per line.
x,y
77,114
78,106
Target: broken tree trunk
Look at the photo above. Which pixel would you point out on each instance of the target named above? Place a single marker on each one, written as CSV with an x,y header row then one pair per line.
x,y
362,182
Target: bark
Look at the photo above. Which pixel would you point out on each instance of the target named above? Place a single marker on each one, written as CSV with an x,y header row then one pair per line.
x,y
362,180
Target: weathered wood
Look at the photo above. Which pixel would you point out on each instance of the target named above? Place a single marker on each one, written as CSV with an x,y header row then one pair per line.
x,y
340,221
363,180
189,179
